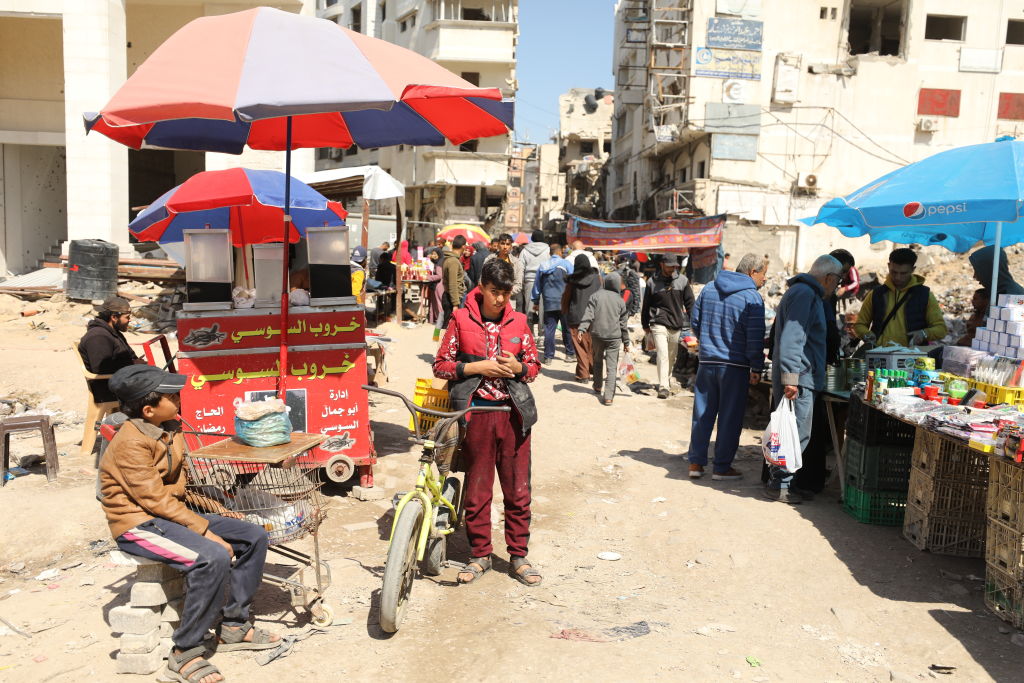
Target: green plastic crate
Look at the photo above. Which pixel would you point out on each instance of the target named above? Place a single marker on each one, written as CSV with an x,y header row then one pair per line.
x,y
884,508
877,468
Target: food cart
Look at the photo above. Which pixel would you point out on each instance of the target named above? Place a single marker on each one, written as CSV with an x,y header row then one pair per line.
x,y
232,354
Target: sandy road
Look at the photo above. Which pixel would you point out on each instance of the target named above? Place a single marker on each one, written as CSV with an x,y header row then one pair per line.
x,y
710,575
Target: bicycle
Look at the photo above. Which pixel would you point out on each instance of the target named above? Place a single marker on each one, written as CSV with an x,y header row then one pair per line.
x,y
426,515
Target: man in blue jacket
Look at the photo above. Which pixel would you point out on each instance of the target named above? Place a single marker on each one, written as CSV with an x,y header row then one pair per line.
x,y
549,284
728,321
798,367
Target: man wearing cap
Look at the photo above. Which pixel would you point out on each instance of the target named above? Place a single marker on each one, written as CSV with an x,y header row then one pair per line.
x,y
104,349
668,301
151,514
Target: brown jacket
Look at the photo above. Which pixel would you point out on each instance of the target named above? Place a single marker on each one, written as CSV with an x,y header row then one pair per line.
x,y
140,478
454,278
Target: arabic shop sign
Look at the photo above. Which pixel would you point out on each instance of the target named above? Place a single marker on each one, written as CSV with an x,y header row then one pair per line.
x,y
734,34
243,332
722,63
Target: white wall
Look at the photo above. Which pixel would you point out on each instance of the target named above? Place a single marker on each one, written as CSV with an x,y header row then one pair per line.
x,y
33,205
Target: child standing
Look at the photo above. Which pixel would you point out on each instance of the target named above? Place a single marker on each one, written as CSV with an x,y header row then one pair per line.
x,y
605,319
488,355
142,489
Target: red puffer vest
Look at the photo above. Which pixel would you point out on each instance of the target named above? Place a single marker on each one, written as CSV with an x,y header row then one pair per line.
x,y
473,347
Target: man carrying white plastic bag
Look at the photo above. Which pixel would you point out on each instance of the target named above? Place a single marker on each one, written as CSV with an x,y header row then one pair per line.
x,y
798,370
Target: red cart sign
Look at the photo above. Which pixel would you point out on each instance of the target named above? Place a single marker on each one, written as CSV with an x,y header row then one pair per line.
x,y
261,328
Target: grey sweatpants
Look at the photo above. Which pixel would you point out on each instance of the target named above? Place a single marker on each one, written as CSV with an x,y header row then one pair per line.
x,y
606,357
208,569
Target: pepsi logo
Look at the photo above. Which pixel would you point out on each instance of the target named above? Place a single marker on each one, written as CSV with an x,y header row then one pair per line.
x,y
913,210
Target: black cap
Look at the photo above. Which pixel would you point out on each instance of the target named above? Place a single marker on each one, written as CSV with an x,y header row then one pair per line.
x,y
670,260
116,304
135,381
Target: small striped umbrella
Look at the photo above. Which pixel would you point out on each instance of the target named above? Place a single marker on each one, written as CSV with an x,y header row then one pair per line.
x,y
472,233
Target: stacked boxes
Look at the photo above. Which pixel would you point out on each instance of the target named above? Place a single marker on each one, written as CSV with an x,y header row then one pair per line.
x,y
1003,334
877,465
150,617
1004,548
946,498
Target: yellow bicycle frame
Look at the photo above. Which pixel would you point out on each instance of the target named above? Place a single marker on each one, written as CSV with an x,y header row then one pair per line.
x,y
426,481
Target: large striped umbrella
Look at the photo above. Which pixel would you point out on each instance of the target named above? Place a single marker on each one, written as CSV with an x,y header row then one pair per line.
x,y
223,82
274,80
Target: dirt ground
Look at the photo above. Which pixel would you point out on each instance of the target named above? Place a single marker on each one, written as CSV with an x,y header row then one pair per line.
x,y
714,582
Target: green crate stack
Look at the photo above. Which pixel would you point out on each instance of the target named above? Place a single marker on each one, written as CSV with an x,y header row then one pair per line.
x,y
884,508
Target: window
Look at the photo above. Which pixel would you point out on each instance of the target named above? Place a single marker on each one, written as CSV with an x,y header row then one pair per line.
x,y
701,168
469,146
1015,32
465,196
474,14
938,102
832,14
402,26
471,76
586,146
874,28
383,10
1011,106
941,27
356,24
607,147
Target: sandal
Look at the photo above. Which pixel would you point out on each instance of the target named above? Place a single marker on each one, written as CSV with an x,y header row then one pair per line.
x,y
195,672
521,576
231,638
478,566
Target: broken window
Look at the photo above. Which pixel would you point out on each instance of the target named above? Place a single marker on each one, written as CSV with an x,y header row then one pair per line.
x,y
465,196
876,26
942,27
1015,32
586,146
607,147
474,14
469,146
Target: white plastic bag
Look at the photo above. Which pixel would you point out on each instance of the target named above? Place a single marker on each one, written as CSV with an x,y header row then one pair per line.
x,y
780,442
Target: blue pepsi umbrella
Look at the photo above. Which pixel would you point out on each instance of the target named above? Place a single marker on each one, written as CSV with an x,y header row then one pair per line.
x,y
953,199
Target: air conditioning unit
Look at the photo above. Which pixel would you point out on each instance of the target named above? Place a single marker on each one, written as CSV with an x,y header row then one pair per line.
x,y
807,181
928,125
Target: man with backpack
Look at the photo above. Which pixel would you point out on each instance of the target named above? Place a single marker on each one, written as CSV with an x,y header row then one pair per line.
x,y
901,309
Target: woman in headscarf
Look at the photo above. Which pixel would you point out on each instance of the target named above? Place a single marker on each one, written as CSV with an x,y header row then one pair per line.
x,y
579,287
403,258
435,285
981,261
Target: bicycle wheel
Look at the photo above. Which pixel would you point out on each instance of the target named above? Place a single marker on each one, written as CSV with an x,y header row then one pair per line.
x,y
400,569
436,554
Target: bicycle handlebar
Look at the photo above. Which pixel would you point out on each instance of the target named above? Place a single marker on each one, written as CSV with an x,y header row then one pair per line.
x,y
414,409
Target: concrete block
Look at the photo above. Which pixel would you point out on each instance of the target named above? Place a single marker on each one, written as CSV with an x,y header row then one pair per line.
x,y
143,663
123,559
165,646
172,612
373,493
151,594
125,619
158,572
167,628
139,643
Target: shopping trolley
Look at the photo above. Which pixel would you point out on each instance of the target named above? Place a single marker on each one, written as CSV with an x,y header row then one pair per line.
x,y
271,488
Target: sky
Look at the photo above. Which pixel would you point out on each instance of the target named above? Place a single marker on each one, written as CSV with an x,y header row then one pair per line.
x,y
562,44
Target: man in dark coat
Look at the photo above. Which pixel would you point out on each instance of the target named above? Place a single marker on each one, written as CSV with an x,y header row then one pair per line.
x,y
665,314
104,349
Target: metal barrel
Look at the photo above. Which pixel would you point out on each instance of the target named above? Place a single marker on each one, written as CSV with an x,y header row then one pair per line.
x,y
92,269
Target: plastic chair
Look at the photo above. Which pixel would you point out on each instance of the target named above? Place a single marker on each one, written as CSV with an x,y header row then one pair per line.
x,y
94,412
21,423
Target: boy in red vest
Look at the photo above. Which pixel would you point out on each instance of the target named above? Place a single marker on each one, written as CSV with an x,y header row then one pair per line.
x,y
489,356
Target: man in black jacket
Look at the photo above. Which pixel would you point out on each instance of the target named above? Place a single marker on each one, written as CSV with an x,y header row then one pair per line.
x,y
104,349
668,302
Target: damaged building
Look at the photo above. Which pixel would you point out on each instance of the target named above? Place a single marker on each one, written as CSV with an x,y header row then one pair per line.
x,y
720,110
584,142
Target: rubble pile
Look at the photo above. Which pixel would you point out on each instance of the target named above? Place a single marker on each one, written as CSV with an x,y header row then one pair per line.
x,y
32,404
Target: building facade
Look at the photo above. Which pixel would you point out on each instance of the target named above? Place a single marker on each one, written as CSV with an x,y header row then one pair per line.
x,y
721,109
59,59
474,38
543,189
585,144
